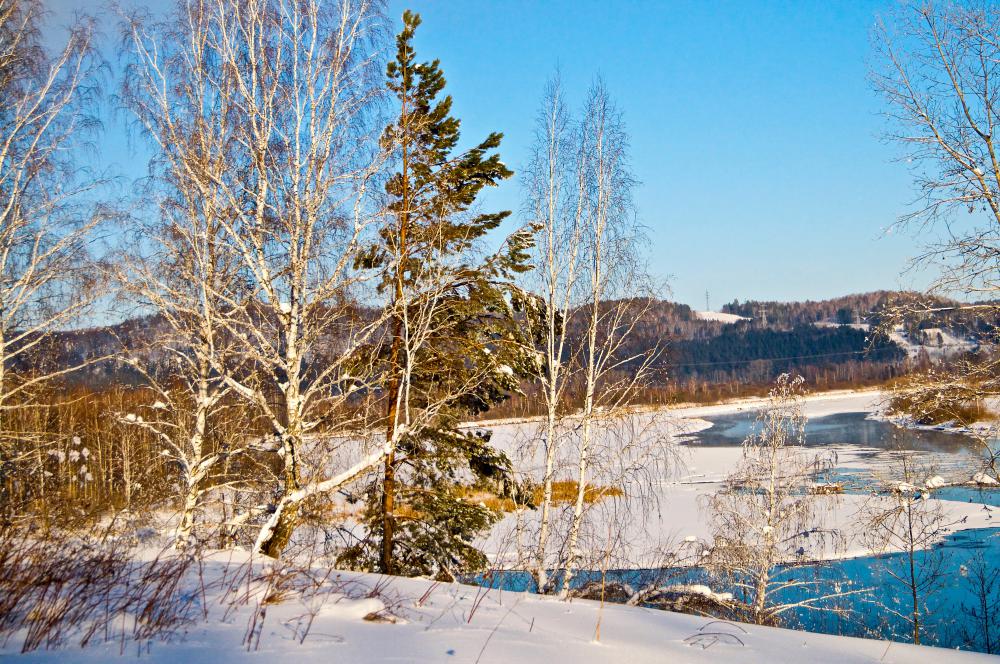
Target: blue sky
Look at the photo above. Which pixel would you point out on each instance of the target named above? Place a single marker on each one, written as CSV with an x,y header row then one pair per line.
x,y
755,131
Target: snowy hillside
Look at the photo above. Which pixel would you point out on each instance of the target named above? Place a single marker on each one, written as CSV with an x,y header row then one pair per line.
x,y
348,617
938,342
719,317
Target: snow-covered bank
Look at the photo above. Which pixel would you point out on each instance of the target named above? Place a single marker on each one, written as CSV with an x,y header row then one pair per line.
x,y
981,430
819,404
368,618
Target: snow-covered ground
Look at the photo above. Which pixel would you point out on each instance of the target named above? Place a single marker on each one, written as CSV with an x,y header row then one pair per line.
x,y
937,342
352,617
820,404
367,618
856,326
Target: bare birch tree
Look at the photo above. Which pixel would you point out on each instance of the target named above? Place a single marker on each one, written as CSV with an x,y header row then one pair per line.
x,y
982,577
592,294
898,518
938,71
47,222
290,89
766,528
181,269
305,83
550,202
613,290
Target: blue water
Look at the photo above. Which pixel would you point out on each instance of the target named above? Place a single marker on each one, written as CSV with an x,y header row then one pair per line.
x,y
877,609
946,603
842,428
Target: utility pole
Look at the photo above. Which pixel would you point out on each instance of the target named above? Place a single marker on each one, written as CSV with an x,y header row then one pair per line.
x,y
707,306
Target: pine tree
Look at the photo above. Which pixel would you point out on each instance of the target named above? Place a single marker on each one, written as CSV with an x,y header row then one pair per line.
x,y
455,347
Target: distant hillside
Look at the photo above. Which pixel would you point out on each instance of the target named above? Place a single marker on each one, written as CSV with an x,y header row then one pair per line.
x,y
828,341
866,309
749,342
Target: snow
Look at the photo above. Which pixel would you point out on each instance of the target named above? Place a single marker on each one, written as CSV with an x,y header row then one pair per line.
x,y
353,617
864,327
950,344
719,317
356,617
699,589
814,405
983,479
346,608
935,482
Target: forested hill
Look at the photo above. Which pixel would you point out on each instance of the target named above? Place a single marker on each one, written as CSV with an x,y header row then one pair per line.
x,y
757,355
828,341
865,309
856,308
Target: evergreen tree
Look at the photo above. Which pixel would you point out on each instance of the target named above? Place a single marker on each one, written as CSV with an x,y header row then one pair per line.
x,y
454,347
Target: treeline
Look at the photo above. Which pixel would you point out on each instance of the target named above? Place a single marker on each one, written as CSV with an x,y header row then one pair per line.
x,y
757,356
688,350
973,319
855,308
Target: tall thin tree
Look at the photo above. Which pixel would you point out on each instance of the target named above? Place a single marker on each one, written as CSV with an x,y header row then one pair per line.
x,y
453,346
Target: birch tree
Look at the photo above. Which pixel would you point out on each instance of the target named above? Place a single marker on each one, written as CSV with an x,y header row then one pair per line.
x,y
47,218
937,70
611,285
180,268
306,85
290,92
899,518
592,292
766,527
981,577
550,202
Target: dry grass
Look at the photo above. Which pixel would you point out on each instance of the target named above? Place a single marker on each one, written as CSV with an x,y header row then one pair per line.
x,y
58,590
934,412
564,492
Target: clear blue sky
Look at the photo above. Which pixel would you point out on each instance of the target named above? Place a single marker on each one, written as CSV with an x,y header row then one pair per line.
x,y
755,132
